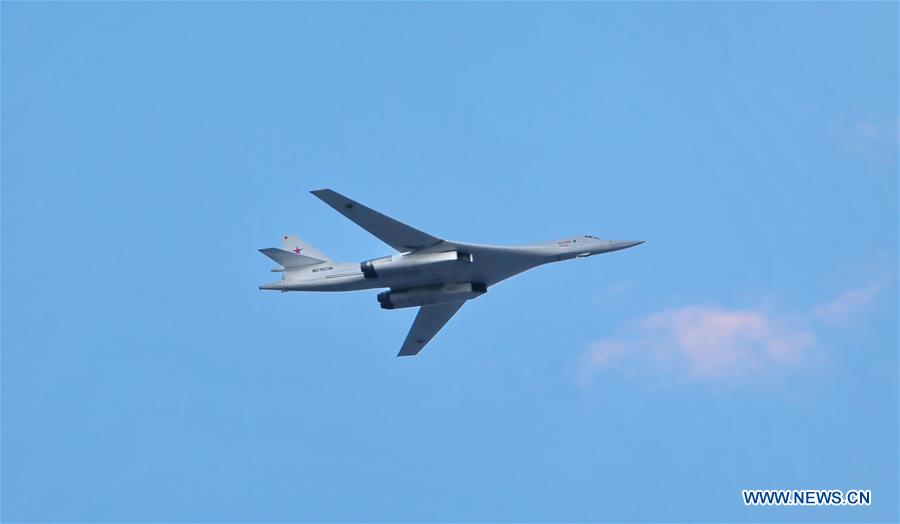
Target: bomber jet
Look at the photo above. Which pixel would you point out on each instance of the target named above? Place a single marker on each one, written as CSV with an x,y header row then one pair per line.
x,y
438,276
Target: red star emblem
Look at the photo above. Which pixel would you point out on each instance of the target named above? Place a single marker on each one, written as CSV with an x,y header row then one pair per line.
x,y
297,250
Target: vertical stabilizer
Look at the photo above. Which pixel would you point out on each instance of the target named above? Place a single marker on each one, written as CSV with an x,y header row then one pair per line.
x,y
296,245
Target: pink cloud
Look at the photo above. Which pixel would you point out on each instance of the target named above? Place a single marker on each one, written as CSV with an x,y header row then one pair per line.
x,y
706,343
870,136
715,344
848,303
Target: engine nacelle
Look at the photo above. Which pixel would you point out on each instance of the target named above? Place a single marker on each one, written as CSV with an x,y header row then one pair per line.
x,y
423,296
410,264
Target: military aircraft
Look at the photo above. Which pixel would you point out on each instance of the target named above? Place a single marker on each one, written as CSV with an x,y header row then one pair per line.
x,y
431,273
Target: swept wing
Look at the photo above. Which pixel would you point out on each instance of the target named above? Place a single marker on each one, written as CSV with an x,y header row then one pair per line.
x,y
392,232
428,322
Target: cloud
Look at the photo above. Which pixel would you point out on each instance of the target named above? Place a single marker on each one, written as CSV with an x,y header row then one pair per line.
x,y
712,344
706,343
848,303
870,136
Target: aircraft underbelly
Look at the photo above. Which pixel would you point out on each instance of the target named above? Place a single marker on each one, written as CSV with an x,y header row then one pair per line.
x,y
486,269
435,275
487,272
424,277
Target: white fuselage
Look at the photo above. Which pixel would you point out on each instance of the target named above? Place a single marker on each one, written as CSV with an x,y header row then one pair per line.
x,y
436,275
447,263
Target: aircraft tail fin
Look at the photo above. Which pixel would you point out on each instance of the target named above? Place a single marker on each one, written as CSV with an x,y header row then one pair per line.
x,y
296,245
294,253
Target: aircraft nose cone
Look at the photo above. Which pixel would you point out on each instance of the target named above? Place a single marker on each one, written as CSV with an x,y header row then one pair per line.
x,y
616,245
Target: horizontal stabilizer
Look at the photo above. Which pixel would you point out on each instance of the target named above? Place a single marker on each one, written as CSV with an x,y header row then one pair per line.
x,y
289,259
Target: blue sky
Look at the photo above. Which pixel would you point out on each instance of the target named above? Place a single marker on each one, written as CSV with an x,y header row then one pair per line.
x,y
149,149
